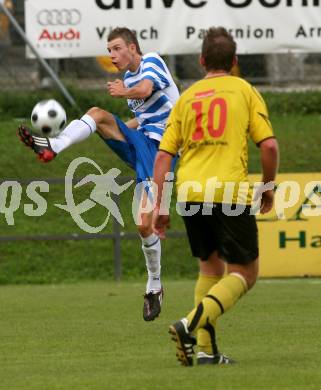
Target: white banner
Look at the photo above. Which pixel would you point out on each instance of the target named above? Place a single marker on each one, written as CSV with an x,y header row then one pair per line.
x,y
79,28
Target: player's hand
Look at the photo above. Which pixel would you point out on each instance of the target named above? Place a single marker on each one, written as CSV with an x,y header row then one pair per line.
x,y
267,201
116,88
160,223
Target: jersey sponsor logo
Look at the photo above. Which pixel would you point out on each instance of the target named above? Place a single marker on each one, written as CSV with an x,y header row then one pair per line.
x,y
199,144
134,104
56,17
204,94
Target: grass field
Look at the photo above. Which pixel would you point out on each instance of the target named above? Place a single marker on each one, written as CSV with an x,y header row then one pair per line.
x,y
92,336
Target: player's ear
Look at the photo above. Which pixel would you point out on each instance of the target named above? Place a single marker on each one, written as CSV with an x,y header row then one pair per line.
x,y
202,61
235,61
132,48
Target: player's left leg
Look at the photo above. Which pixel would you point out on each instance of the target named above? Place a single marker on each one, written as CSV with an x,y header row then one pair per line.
x,y
220,298
139,152
151,247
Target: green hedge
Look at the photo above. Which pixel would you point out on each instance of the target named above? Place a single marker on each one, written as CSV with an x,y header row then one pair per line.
x,y
299,103
19,105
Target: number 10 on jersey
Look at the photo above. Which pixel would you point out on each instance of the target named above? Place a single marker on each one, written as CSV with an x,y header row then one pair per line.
x,y
217,113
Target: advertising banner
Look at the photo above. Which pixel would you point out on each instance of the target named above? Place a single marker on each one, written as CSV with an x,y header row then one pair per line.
x,y
290,235
79,28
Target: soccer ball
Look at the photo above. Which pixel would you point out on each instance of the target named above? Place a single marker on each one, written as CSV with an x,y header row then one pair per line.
x,y
48,118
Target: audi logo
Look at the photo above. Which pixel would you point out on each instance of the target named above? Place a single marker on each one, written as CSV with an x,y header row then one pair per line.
x,y
59,17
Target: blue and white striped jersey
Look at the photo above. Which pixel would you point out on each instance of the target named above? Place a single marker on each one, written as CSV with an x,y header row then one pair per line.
x,y
152,112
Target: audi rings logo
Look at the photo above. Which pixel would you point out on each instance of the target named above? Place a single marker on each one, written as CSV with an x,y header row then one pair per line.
x,y
59,17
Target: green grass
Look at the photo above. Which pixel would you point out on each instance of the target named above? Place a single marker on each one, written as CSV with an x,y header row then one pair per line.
x,y
299,139
70,261
92,336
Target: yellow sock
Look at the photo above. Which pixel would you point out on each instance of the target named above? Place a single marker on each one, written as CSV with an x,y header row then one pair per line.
x,y
221,297
203,284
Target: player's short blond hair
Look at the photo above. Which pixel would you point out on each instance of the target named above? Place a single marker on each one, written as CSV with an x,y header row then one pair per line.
x,y
218,49
126,34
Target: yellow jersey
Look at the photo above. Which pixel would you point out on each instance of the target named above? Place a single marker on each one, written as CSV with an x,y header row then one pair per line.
x,y
210,126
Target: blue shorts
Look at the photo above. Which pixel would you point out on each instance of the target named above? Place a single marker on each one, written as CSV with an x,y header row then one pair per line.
x,y
138,151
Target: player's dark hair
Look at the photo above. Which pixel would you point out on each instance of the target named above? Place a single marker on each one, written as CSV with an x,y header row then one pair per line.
x,y
126,34
218,49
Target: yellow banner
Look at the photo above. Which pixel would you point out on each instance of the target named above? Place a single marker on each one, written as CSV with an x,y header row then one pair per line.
x,y
291,246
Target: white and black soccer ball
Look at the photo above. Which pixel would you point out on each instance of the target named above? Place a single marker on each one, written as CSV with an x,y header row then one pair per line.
x,y
48,118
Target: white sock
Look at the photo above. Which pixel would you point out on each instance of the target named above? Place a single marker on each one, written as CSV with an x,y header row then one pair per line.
x,y
77,130
152,251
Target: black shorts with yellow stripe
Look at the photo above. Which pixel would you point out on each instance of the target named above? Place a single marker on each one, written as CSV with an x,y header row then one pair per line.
x,y
211,228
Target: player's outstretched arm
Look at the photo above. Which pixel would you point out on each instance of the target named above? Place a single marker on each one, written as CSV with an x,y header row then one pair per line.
x,y
141,90
270,162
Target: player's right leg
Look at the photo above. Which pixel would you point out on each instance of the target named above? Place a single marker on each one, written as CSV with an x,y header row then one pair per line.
x,y
220,298
224,295
151,247
211,272
78,130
